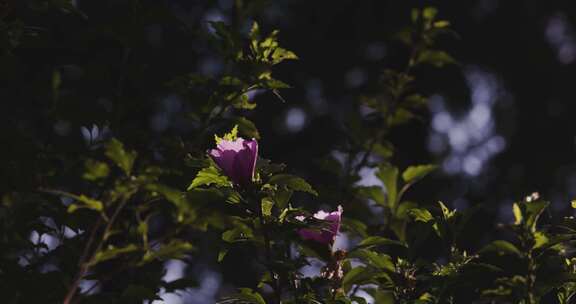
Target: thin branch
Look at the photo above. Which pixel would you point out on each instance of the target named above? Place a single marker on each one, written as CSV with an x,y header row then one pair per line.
x,y
86,262
83,265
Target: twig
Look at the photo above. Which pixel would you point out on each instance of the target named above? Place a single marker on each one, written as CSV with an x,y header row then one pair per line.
x,y
83,266
86,262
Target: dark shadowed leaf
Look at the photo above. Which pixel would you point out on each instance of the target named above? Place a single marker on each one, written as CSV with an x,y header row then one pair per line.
x,y
389,176
502,247
292,182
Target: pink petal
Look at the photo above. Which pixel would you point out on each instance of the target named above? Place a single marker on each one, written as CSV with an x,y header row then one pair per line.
x,y
235,145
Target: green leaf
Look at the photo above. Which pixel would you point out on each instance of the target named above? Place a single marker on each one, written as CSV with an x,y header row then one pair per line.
x,y
112,252
381,296
389,176
429,13
240,233
143,231
196,162
415,101
446,213
134,293
540,239
377,260
517,214
441,24
274,84
357,275
222,254
85,202
255,31
95,170
384,150
176,249
267,204
281,54
117,153
209,176
414,173
527,213
354,226
247,128
401,116
293,183
56,83
282,197
245,296
230,136
374,193
420,215
436,58
532,213
242,102
425,298
174,196
379,241
266,168
502,247
403,208
231,81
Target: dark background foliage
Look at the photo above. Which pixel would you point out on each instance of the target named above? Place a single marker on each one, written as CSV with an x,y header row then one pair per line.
x,y
72,75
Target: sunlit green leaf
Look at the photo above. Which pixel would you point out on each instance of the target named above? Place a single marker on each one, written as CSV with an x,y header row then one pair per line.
x,y
441,24
85,202
281,54
176,249
120,156
527,213
446,213
222,254
540,239
414,173
517,214
274,84
209,176
429,12
230,136
420,215
112,252
267,205
95,170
